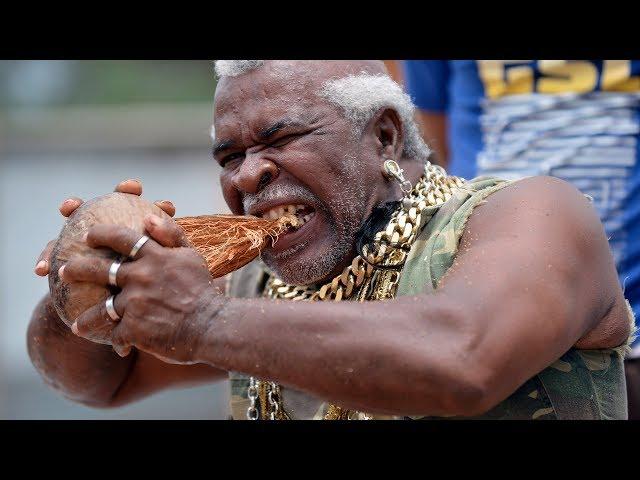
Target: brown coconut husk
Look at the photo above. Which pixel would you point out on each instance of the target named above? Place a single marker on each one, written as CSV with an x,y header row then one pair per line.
x,y
229,242
226,242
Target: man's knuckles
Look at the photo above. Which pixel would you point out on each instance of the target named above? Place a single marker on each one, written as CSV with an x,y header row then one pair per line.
x,y
136,304
135,273
191,258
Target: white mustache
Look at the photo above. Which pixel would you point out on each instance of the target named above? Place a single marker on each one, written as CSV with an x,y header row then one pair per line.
x,y
249,200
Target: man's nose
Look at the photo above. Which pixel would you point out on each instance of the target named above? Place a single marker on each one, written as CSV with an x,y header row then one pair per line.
x,y
255,173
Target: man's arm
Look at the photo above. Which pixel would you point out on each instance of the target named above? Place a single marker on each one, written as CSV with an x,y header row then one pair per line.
x,y
93,374
534,274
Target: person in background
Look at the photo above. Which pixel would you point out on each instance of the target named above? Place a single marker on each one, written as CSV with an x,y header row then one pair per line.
x,y
577,120
395,70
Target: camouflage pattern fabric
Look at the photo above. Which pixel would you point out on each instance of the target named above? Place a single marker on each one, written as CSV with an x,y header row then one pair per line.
x,y
582,384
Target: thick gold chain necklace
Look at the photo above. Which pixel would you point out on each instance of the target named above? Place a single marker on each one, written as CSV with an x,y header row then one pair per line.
x,y
374,275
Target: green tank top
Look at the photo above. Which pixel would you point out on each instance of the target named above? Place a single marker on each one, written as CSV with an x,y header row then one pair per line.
x,y
582,384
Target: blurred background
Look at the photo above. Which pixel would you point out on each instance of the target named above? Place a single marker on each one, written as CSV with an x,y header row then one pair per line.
x,y
77,128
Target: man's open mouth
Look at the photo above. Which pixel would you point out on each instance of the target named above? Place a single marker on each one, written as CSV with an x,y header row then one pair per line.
x,y
296,235
302,213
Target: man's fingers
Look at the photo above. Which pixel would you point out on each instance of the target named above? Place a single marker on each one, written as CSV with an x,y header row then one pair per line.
x,y
122,351
166,232
120,346
42,268
166,206
130,186
95,323
42,264
94,270
117,238
70,205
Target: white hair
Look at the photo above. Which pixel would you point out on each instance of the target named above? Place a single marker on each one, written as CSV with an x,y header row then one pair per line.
x,y
359,97
235,68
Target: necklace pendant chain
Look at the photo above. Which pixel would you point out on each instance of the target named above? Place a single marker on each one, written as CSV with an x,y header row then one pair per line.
x,y
252,411
362,280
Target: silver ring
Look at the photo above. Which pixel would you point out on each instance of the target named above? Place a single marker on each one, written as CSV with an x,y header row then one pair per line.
x,y
136,248
111,311
113,273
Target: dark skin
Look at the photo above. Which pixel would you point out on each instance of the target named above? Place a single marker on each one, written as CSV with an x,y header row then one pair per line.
x,y
91,373
533,277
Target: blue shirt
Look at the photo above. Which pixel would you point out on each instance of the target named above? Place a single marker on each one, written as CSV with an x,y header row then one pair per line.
x,y
578,120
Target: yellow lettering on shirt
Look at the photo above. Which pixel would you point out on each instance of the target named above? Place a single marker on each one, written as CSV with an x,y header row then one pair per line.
x,y
505,77
567,76
616,77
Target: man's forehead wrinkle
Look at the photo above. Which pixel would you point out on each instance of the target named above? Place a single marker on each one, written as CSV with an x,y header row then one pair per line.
x,y
231,93
222,104
255,99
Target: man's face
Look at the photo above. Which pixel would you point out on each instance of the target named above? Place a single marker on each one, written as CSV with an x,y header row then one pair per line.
x,y
283,148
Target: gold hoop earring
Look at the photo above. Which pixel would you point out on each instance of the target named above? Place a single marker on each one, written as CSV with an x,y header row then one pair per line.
x,y
392,170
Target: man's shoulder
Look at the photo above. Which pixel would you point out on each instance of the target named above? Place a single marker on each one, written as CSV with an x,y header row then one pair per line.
x,y
541,210
557,199
539,188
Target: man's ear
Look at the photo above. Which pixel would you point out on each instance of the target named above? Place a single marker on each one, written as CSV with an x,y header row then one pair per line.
x,y
389,134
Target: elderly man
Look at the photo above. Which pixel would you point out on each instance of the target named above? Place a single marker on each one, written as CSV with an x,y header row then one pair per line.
x,y
402,293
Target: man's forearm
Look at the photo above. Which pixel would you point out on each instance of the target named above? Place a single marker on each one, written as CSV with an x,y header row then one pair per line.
x,y
378,357
82,371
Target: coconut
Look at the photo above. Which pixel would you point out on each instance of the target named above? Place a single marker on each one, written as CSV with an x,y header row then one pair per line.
x,y
71,300
226,243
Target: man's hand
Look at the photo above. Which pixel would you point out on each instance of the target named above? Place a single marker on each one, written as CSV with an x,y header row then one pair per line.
x,y
90,372
167,292
70,205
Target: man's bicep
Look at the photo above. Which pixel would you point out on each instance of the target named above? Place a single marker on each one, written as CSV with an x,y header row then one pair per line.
x,y
527,272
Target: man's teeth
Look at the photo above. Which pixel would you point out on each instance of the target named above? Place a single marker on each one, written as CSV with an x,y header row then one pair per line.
x,y
283,210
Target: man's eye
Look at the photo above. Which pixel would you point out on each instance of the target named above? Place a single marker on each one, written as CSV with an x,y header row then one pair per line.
x,y
284,140
229,158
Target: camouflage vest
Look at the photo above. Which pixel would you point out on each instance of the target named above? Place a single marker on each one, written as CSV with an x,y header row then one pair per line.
x,y
582,384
